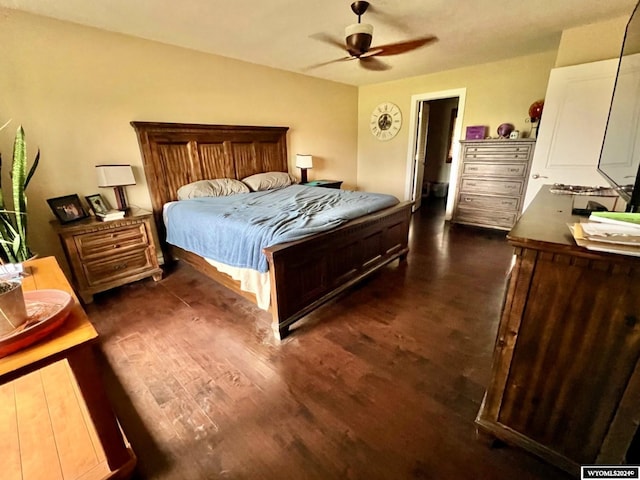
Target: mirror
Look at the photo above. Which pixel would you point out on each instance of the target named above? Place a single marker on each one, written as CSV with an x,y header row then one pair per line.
x,y
620,154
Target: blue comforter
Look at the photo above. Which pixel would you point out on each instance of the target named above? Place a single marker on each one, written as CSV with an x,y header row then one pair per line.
x,y
235,229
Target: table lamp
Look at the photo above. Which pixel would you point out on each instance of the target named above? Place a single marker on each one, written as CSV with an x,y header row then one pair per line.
x,y
304,162
116,176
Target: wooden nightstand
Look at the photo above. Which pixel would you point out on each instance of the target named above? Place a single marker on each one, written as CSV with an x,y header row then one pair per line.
x,y
324,183
104,255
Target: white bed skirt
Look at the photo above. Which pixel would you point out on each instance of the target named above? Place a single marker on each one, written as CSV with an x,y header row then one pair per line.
x,y
250,280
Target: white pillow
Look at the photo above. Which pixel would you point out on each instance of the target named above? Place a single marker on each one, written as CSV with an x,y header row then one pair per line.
x,y
218,187
268,181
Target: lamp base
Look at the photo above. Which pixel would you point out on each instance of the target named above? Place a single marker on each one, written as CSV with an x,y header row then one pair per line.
x,y
121,199
303,175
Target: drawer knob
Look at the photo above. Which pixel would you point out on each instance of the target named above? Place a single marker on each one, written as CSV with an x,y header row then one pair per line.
x,y
630,320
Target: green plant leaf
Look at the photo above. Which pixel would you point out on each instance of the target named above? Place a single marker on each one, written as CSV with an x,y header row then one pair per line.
x,y
13,223
32,170
1,195
18,173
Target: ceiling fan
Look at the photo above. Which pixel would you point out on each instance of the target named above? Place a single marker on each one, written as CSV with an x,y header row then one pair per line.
x,y
358,37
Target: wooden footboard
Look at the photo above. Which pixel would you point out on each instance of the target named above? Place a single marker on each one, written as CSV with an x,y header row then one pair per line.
x,y
311,271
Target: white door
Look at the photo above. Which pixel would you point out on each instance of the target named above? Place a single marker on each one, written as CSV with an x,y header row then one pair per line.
x,y
572,128
420,153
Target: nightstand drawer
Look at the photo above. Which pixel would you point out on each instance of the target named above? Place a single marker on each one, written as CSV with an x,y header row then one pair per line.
x,y
109,269
495,169
497,187
491,203
111,241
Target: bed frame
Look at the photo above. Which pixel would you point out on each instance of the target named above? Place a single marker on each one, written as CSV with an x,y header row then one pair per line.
x,y
305,273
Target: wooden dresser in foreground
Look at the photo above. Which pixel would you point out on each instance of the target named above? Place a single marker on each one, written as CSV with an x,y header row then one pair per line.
x,y
565,380
492,181
56,422
104,255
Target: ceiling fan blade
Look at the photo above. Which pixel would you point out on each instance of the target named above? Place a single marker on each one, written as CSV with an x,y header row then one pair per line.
x,y
388,18
371,53
326,38
322,64
403,47
372,63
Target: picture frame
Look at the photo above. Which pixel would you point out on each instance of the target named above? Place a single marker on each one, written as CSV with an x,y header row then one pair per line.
x,y
98,204
67,208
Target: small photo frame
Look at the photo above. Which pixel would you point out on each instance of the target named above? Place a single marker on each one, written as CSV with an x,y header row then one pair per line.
x,y
68,208
98,204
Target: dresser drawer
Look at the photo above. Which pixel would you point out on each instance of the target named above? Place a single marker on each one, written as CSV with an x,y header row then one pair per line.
x,y
466,200
497,187
117,266
497,149
495,169
111,241
486,218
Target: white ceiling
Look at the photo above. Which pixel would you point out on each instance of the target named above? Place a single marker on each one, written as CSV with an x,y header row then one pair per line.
x,y
280,33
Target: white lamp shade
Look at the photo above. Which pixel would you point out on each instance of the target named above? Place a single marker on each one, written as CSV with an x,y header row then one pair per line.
x,y
115,175
304,161
355,28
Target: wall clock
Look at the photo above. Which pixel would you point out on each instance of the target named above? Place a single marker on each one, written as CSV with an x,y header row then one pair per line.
x,y
386,121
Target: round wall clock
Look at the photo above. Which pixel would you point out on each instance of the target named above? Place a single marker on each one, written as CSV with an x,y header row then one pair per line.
x,y
386,121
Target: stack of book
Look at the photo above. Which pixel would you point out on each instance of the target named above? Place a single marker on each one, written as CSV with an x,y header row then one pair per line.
x,y
613,232
110,215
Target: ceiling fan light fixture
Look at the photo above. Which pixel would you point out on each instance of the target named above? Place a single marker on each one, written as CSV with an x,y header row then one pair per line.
x,y
358,38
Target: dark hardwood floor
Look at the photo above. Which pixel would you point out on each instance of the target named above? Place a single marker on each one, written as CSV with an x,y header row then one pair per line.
x,y
382,383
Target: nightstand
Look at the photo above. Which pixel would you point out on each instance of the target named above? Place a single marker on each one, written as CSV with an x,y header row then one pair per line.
x,y
324,183
104,255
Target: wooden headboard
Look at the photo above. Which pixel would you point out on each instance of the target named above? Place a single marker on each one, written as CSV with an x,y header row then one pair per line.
x,y
175,154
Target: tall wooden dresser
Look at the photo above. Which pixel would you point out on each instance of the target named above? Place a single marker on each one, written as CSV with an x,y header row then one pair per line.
x,y
492,181
565,380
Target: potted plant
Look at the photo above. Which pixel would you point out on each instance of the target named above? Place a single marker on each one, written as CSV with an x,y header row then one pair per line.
x,y
13,223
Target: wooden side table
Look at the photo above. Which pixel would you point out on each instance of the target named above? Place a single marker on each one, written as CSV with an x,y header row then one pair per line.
x,y
104,255
324,183
55,418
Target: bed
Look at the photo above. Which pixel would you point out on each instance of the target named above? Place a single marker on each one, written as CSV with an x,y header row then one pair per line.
x,y
303,274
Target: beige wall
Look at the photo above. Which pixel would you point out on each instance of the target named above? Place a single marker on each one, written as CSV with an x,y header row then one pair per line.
x,y
495,93
76,89
591,43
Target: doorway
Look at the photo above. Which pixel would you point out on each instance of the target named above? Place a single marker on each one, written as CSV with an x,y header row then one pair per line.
x,y
435,126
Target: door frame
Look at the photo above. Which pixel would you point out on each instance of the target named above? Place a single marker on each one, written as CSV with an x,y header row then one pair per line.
x,y
410,188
